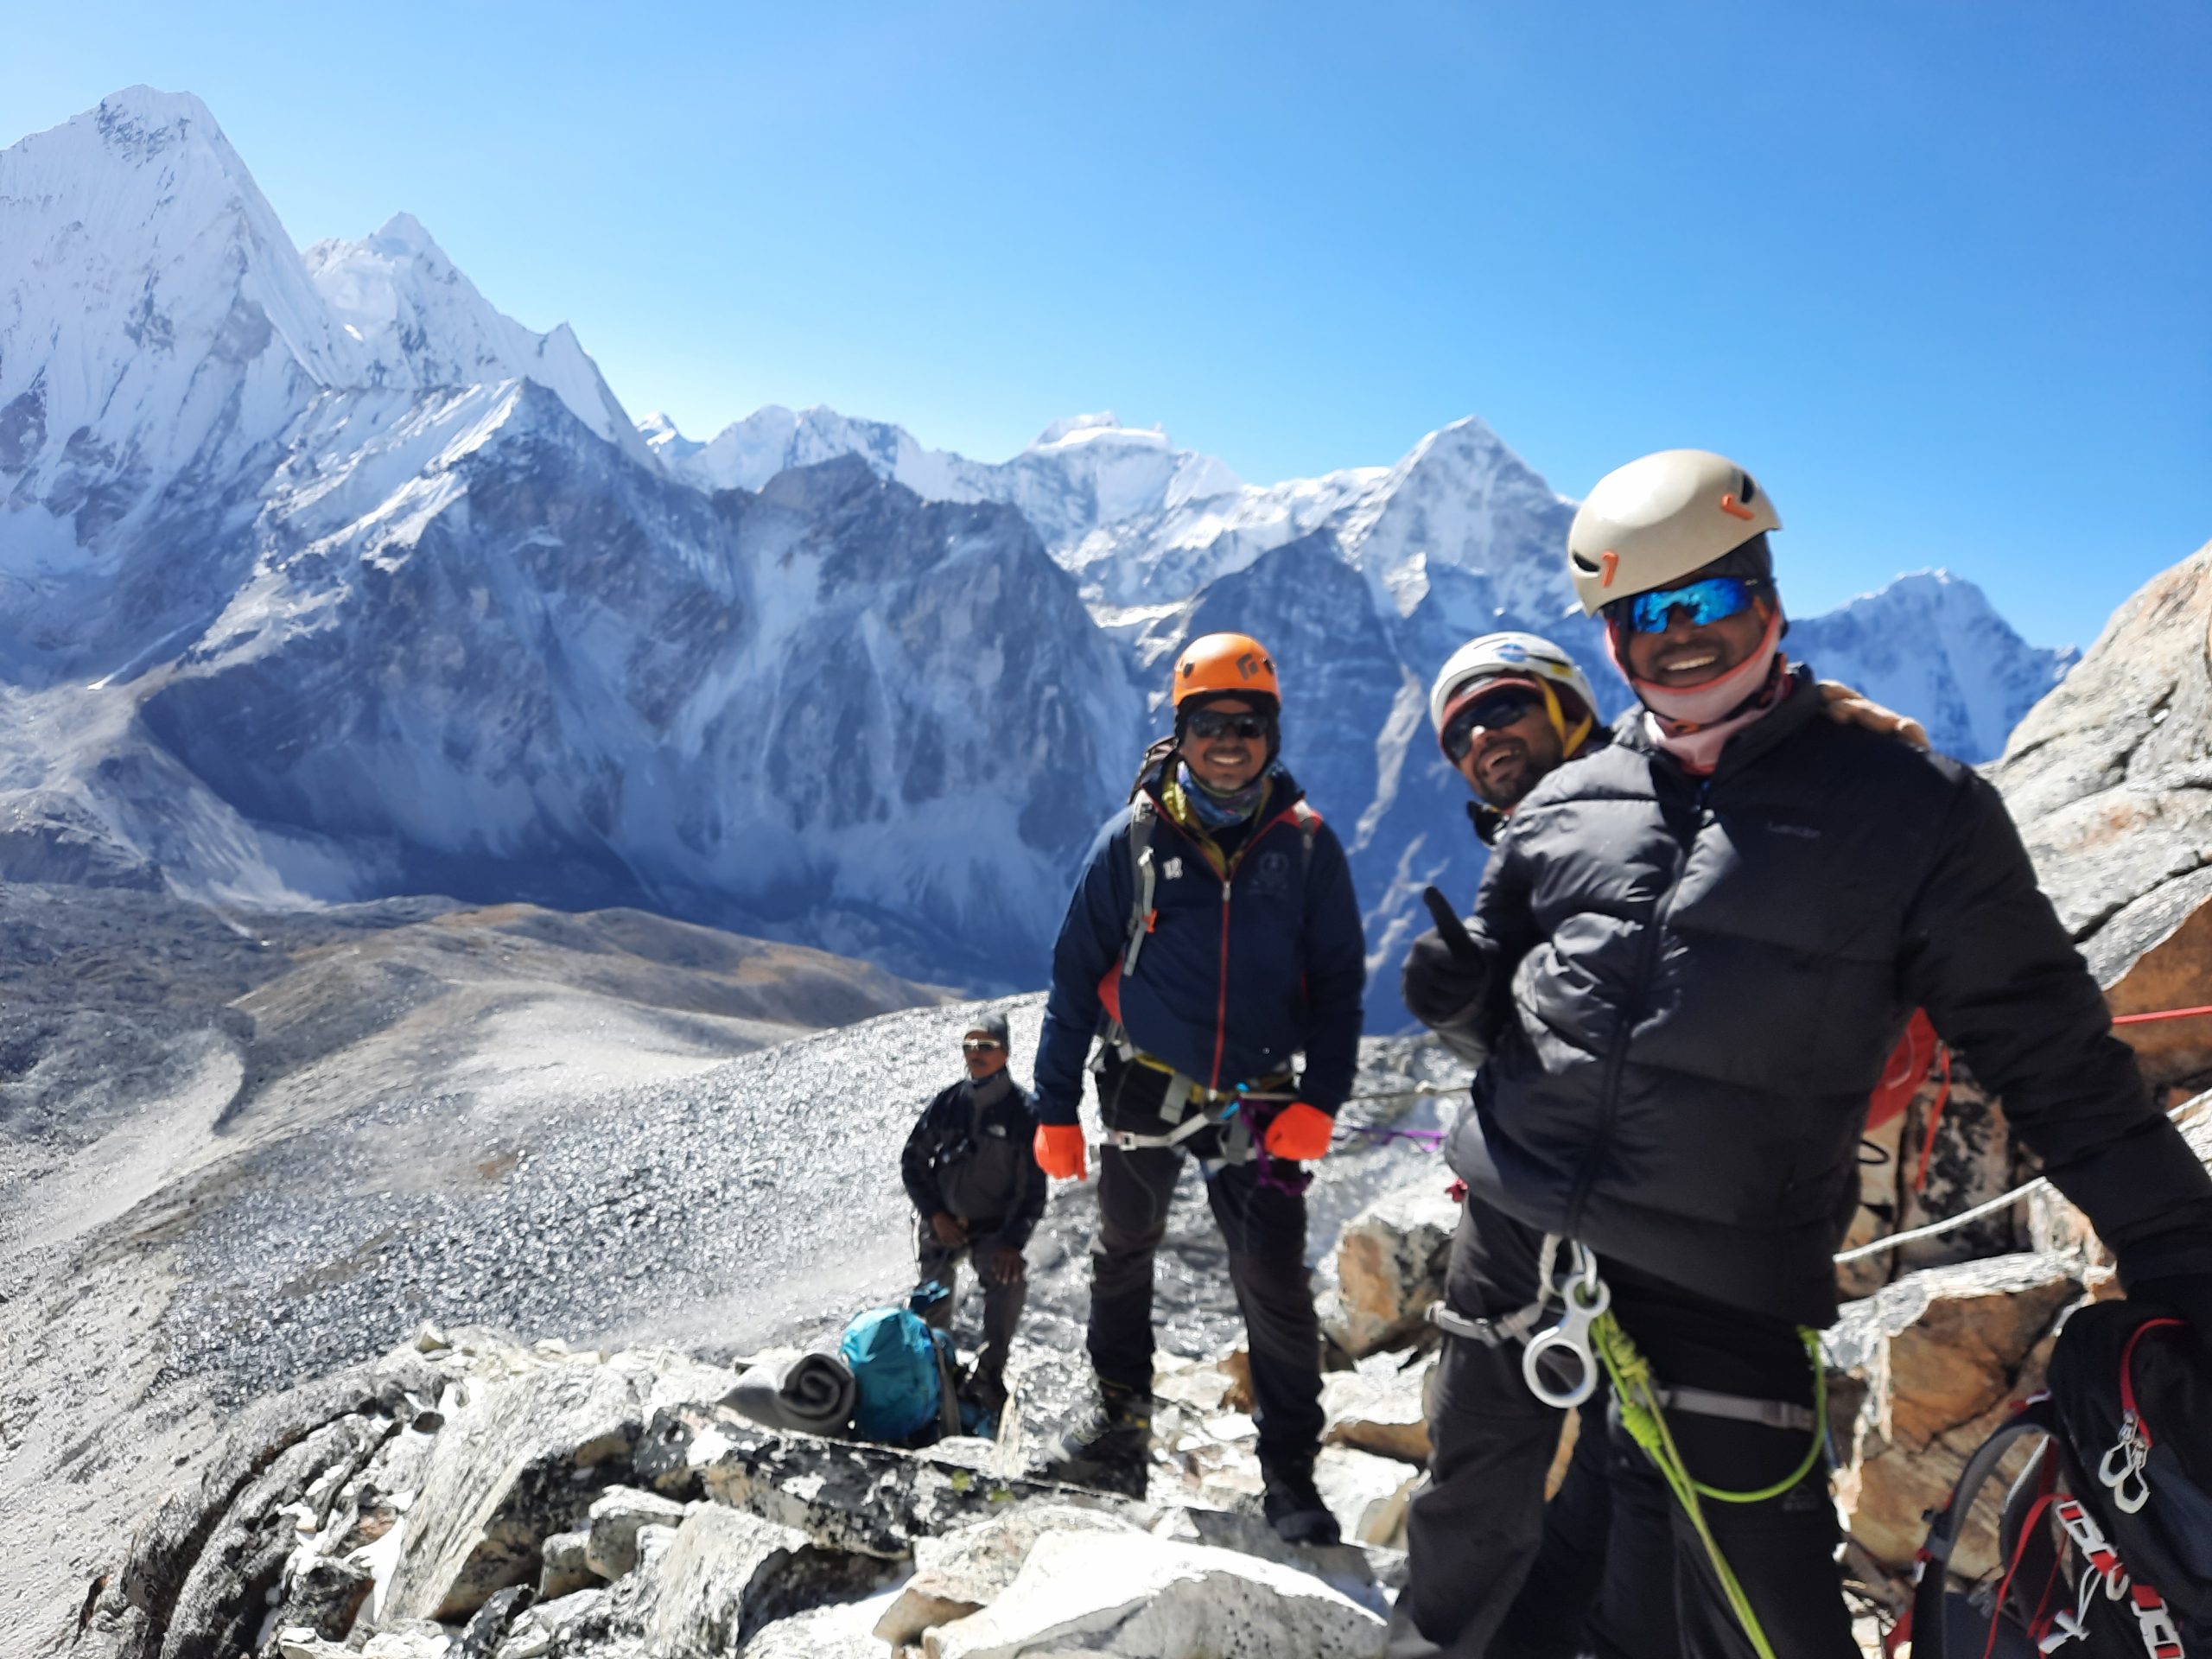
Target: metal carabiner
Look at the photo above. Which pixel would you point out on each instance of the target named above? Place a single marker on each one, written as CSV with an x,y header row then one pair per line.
x,y
1585,1297
2123,1468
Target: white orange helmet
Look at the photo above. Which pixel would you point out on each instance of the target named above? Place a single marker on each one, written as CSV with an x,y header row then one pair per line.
x,y
1651,522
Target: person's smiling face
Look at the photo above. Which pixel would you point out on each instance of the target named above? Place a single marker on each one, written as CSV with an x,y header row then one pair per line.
x,y
1225,744
1503,763
1686,654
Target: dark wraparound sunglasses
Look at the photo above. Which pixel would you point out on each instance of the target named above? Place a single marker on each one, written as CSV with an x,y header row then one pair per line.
x,y
1491,712
1713,600
1207,724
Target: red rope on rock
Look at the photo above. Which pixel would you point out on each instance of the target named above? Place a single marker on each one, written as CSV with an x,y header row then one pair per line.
x,y
2164,1013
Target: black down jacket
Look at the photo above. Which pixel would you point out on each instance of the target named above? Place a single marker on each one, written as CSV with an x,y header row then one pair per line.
x,y
1695,983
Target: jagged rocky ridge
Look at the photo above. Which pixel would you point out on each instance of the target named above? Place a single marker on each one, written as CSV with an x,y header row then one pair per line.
x,y
325,580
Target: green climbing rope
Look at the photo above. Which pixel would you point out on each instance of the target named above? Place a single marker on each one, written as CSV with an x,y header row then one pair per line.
x,y
1637,1391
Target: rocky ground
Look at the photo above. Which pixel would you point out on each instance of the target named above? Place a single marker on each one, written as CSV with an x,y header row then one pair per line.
x,y
236,1150
240,1157
465,1497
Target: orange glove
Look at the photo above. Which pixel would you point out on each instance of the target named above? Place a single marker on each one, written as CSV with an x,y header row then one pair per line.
x,y
1300,1133
1060,1153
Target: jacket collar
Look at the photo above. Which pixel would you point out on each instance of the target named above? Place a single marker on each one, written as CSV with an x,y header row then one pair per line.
x,y
1159,783
1799,704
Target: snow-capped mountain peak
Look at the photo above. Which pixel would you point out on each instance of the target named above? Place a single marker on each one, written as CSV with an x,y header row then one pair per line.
x,y
152,310
1932,645
1080,429
423,325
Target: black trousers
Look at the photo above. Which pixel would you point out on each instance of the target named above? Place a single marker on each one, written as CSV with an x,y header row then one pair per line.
x,y
1002,1303
1476,1528
1264,1228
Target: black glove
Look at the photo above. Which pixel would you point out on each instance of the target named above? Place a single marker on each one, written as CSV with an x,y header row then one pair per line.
x,y
1445,976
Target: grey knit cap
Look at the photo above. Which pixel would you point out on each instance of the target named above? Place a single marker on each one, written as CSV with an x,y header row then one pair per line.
x,y
991,1024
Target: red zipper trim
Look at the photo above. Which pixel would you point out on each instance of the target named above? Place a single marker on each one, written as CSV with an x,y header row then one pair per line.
x,y
1288,815
1221,1004
2127,1374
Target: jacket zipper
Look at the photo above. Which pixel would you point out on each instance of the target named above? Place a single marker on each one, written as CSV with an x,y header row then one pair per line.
x,y
1227,886
1221,1002
1616,1060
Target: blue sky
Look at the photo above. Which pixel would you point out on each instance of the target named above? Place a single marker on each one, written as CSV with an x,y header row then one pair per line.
x,y
1940,273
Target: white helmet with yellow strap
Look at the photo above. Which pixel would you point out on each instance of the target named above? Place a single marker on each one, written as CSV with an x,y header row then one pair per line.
x,y
1529,659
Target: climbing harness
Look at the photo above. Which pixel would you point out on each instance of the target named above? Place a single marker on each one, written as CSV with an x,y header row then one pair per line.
x,y
1586,1340
1190,1110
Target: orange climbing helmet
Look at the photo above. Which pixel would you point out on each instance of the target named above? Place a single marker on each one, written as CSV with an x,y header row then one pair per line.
x,y
1218,663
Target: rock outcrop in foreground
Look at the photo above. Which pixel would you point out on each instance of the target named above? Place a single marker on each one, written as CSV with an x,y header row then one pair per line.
x,y
2110,779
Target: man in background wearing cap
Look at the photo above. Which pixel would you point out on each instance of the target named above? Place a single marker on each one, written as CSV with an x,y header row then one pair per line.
x,y
1212,940
969,1169
1690,955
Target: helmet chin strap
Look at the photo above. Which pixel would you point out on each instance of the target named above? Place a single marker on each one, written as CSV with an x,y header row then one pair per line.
x,y
1701,705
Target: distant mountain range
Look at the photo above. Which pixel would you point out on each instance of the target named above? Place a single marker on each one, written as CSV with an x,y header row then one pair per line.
x,y
325,580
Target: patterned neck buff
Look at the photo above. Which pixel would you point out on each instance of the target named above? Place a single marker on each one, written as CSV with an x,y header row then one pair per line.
x,y
1219,811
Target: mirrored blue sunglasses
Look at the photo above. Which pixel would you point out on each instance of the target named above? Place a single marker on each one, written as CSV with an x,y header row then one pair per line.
x,y
1712,600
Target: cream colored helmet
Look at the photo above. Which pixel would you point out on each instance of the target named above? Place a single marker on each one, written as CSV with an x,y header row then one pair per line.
x,y
1649,524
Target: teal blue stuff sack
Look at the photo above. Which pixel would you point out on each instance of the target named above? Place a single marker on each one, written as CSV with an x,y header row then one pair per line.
x,y
894,1359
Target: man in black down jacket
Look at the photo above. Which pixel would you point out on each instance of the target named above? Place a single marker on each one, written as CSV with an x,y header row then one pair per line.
x,y
1691,952
970,1170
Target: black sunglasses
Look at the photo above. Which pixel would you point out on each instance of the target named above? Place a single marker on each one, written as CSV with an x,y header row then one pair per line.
x,y
1206,723
1491,712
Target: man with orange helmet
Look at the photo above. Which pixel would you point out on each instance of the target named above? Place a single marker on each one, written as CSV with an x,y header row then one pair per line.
x,y
1212,940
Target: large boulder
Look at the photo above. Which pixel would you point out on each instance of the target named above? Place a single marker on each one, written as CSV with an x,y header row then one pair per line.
x,y
965,1571
1921,1372
1144,1598
707,1585
2107,778
1388,1267
521,1457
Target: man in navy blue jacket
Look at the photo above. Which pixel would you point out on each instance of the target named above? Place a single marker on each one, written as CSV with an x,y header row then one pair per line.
x,y
1212,941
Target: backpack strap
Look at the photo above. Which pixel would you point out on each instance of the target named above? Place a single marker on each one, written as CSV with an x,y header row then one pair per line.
x,y
1309,825
1930,1567
1143,815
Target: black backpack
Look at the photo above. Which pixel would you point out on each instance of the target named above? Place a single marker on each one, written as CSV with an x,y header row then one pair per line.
x,y
2105,1537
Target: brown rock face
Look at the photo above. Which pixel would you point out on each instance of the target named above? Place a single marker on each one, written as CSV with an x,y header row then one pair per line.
x,y
1389,1267
1929,1365
2110,779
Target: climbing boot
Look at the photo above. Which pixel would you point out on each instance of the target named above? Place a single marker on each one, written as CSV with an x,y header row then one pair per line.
x,y
1109,1444
1293,1507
